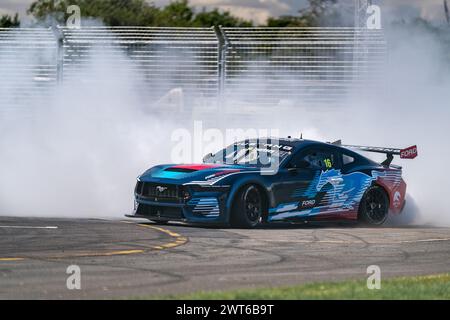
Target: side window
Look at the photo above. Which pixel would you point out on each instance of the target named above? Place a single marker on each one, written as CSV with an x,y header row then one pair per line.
x,y
318,159
346,159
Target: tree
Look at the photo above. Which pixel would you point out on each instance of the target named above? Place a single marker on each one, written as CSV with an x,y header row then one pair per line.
x,y
48,10
318,13
176,14
133,13
217,18
111,12
120,12
6,21
287,21
319,10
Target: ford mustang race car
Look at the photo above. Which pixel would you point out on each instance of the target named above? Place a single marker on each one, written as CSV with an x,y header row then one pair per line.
x,y
241,186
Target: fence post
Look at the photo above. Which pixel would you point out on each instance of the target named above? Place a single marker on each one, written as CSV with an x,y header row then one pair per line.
x,y
59,53
222,52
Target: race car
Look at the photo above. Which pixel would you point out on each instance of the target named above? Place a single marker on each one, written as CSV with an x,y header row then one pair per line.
x,y
240,185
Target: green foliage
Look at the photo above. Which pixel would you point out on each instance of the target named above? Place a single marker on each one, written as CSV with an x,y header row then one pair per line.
x,y
217,18
411,288
176,14
134,13
111,12
288,21
318,13
6,21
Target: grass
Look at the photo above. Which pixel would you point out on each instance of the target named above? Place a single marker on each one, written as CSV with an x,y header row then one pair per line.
x,y
404,288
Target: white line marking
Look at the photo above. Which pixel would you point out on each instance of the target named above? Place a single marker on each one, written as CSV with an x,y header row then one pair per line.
x,y
426,240
29,227
354,242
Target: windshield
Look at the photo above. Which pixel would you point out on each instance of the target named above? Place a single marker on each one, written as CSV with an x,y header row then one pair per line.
x,y
252,153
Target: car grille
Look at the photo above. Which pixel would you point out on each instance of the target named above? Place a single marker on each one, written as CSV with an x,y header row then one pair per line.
x,y
159,212
159,191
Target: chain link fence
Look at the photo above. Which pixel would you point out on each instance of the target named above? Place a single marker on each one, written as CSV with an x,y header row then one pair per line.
x,y
170,64
28,65
298,66
230,68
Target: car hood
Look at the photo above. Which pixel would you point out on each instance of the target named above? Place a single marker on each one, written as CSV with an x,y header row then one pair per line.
x,y
172,173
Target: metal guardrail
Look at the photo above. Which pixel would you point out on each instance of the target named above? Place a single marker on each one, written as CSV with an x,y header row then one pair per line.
x,y
236,66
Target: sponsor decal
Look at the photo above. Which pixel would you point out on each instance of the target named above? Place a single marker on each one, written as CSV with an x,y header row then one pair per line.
x,y
397,198
343,196
221,173
308,203
408,153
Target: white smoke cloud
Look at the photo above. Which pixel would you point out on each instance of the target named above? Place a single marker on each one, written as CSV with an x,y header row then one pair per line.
x,y
82,146
412,109
79,149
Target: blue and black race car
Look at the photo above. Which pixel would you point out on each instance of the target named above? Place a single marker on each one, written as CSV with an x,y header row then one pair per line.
x,y
262,181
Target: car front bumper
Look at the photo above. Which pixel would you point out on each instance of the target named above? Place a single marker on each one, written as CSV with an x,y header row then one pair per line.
x,y
203,206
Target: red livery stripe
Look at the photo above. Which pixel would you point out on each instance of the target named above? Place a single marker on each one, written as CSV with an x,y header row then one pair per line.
x,y
196,167
227,171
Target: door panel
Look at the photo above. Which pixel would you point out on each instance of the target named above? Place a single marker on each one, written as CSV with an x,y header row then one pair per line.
x,y
308,191
290,193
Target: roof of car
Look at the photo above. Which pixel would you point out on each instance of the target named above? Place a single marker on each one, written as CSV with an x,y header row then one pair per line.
x,y
286,141
302,143
297,144
293,142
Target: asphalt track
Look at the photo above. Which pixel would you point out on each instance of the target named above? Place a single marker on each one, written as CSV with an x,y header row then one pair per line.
x,y
127,259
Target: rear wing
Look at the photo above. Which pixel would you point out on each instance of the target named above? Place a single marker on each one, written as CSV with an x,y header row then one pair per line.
x,y
407,153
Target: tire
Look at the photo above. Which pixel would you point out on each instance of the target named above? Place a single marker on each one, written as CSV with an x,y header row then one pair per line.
x,y
247,211
374,207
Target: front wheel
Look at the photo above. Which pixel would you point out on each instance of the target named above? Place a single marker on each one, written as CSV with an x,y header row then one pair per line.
x,y
374,206
248,207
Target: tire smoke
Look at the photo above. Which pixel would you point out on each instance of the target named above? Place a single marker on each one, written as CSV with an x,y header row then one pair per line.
x,y
79,147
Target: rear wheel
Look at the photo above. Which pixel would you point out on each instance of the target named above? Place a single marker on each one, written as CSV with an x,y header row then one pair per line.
x,y
247,210
374,206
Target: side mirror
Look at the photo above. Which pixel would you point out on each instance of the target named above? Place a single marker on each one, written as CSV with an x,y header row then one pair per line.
x,y
207,157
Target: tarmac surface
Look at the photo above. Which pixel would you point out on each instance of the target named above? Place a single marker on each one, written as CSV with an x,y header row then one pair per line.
x,y
135,258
